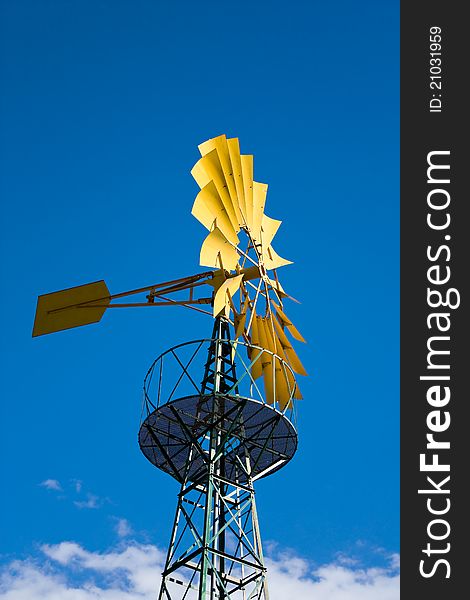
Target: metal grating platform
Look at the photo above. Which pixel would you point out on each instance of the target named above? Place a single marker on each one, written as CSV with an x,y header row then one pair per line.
x,y
250,429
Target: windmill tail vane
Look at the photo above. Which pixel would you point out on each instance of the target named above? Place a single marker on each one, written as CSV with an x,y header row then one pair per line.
x,y
217,435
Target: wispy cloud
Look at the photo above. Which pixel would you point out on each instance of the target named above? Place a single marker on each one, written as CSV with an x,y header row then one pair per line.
x,y
91,501
51,484
123,528
70,572
77,484
395,561
75,493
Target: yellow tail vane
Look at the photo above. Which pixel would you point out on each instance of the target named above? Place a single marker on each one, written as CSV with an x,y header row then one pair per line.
x,y
69,308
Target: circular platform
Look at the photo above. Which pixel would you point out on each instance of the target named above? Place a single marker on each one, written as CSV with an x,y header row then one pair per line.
x,y
255,430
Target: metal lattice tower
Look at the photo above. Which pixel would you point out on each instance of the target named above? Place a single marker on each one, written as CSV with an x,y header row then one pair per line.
x,y
215,444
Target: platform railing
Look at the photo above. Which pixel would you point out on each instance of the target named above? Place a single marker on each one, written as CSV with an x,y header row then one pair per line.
x,y
260,373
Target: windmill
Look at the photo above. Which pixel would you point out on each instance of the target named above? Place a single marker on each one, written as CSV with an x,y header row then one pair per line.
x,y
217,413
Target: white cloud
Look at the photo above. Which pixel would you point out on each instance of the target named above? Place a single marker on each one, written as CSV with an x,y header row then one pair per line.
x,y
67,571
51,484
88,500
123,528
395,561
92,501
294,578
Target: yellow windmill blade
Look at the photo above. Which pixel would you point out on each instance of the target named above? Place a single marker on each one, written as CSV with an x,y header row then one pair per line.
x,y
236,163
217,252
275,285
283,391
256,355
284,320
269,229
272,260
279,382
210,211
240,319
260,191
292,385
267,364
247,174
220,146
208,168
225,293
283,378
280,345
232,174
288,350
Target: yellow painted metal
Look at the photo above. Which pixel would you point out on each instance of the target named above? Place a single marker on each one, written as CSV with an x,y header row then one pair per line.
x,y
200,174
272,260
219,276
280,384
240,319
235,160
268,336
285,380
217,279
219,144
269,229
225,292
210,165
260,191
275,343
256,369
283,391
280,334
247,172
266,362
216,251
69,308
250,273
283,395
208,145
231,200
288,353
294,362
280,345
288,323
210,211
269,385
278,287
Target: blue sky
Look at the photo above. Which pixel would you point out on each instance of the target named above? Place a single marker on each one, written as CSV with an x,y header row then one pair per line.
x,y
102,108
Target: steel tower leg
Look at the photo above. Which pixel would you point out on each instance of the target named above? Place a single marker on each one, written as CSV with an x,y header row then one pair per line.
x,y
215,547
